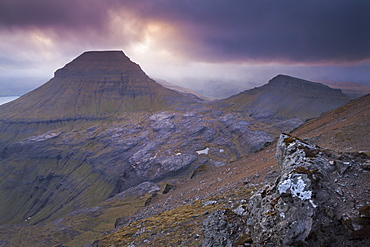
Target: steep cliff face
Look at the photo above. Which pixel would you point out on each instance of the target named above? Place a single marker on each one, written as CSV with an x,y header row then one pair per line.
x,y
289,97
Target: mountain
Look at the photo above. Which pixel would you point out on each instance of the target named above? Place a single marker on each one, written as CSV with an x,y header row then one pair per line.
x,y
101,140
289,97
100,127
50,162
95,84
353,89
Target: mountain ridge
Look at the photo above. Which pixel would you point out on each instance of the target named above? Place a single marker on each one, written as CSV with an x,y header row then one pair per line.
x,y
289,97
353,89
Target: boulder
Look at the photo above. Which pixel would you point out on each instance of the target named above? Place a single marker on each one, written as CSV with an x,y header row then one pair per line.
x,y
320,198
314,202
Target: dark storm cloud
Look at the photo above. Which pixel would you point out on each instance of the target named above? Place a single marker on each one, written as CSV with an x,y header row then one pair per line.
x,y
221,31
68,14
303,31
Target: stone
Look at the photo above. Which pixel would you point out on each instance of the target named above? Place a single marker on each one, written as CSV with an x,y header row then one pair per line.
x,y
221,228
303,207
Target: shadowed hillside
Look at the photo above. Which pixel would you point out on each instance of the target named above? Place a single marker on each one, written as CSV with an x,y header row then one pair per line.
x,y
289,97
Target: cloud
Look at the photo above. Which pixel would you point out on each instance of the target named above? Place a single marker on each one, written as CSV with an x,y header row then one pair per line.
x,y
209,31
67,14
187,39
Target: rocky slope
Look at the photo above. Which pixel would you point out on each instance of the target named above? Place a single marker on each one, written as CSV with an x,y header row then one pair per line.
x,y
72,150
318,198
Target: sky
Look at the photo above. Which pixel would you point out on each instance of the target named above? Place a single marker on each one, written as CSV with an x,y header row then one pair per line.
x,y
203,45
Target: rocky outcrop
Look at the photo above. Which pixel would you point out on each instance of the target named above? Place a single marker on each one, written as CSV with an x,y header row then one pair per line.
x,y
321,198
222,228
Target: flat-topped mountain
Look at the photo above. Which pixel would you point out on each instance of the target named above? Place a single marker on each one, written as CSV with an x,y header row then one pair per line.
x,y
95,84
290,97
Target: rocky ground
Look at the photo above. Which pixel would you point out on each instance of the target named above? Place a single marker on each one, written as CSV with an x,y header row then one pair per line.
x,y
319,198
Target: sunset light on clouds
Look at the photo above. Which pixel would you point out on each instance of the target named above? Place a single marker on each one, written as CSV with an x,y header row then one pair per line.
x,y
190,42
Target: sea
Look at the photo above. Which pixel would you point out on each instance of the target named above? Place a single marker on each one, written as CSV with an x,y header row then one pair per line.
x,y
7,99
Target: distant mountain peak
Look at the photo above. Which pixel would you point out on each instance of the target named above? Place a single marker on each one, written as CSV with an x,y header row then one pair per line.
x,y
96,83
290,97
293,82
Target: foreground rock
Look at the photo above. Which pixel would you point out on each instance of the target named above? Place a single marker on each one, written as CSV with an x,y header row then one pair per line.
x,y
321,198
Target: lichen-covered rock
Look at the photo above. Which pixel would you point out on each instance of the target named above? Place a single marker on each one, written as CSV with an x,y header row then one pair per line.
x,y
321,198
222,228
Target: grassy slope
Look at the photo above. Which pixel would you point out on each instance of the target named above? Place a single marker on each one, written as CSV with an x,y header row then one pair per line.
x,y
74,229
345,129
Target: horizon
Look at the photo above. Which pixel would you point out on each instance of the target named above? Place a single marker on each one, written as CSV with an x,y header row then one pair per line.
x,y
197,45
231,92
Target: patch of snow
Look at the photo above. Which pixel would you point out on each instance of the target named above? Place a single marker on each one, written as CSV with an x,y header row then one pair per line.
x,y
204,151
242,122
161,116
209,203
44,137
221,150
